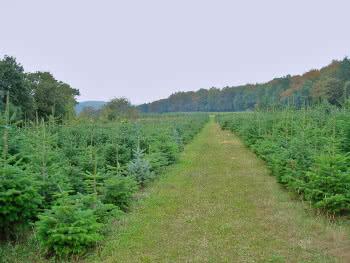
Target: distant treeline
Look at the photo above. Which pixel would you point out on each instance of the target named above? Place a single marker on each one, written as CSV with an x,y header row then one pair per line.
x,y
34,96
39,96
116,109
331,83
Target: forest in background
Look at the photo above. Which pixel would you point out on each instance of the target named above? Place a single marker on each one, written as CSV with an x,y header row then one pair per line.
x,y
34,95
331,83
39,95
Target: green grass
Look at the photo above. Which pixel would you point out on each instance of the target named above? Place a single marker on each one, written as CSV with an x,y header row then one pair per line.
x,y
219,204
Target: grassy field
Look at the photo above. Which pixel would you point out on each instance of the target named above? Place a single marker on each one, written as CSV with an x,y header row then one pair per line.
x,y
219,204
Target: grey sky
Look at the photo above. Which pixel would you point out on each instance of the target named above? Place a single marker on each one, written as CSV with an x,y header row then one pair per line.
x,y
146,50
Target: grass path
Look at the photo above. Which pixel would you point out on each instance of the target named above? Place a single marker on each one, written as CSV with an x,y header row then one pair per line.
x,y
220,205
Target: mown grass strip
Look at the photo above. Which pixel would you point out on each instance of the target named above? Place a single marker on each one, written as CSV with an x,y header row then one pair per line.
x,y
219,204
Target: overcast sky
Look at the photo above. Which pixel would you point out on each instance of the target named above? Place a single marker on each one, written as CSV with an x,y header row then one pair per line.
x,y
146,50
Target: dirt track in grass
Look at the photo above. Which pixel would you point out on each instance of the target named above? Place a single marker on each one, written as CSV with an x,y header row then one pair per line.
x,y
219,204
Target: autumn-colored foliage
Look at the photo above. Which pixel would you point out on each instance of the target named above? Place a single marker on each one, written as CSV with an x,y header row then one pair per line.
x,y
309,87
